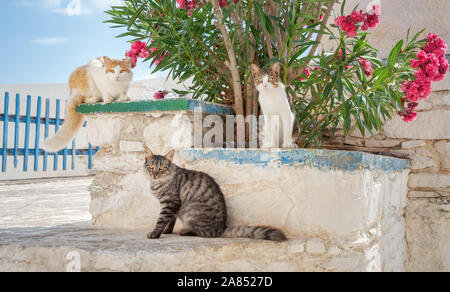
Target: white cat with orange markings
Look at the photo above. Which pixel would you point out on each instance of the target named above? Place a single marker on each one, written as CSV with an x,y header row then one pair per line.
x,y
276,107
102,80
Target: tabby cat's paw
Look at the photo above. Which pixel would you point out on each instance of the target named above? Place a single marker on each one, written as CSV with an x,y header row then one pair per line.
x,y
187,232
153,235
290,146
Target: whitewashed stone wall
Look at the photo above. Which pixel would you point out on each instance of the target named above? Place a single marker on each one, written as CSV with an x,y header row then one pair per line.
x,y
426,141
346,211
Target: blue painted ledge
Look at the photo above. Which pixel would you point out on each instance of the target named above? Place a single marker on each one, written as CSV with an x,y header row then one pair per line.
x,y
173,104
321,159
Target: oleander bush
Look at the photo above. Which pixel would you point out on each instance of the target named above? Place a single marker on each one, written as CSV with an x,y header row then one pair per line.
x,y
214,42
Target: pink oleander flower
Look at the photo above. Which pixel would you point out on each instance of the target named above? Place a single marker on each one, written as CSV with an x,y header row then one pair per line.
x,y
432,66
372,19
443,67
351,23
418,89
307,74
138,50
376,9
367,66
133,58
429,64
341,53
160,59
224,3
312,21
160,94
413,105
339,21
432,69
144,54
137,47
189,5
435,45
347,25
431,60
410,116
421,59
357,16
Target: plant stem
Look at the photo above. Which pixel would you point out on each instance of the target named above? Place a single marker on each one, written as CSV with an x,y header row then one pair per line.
x,y
237,86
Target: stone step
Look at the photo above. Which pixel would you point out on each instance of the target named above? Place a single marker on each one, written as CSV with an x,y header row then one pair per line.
x,y
63,247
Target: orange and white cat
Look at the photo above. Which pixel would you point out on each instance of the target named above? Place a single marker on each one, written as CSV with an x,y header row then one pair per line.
x,y
102,80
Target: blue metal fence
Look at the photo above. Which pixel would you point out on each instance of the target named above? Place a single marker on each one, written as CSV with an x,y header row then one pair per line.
x,y
26,151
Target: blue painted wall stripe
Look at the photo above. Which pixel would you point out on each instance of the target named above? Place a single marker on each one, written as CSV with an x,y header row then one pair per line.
x,y
65,158
16,130
5,134
58,108
27,134
47,123
23,119
77,152
90,156
38,133
73,154
208,107
321,159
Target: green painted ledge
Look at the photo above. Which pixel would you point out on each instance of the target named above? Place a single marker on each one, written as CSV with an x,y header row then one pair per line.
x,y
178,104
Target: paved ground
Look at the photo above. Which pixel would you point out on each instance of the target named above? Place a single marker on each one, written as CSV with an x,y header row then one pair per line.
x,y
44,226
44,203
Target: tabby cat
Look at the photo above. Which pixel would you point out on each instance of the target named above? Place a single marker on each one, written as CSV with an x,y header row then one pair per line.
x,y
196,199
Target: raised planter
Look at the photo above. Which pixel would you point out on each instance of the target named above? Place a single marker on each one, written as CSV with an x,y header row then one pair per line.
x,y
346,206
164,124
178,104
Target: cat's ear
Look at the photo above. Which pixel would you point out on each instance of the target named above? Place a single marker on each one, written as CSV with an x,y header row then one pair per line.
x,y
148,153
276,67
255,69
169,156
127,61
106,60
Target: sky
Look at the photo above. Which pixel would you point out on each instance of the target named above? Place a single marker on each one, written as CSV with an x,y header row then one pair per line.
x,y
43,41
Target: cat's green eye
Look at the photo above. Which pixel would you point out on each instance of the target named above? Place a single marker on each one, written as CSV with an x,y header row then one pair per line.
x,y
151,166
258,79
273,78
161,168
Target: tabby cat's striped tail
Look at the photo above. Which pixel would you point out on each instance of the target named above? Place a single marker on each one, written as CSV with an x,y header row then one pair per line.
x,y
256,232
